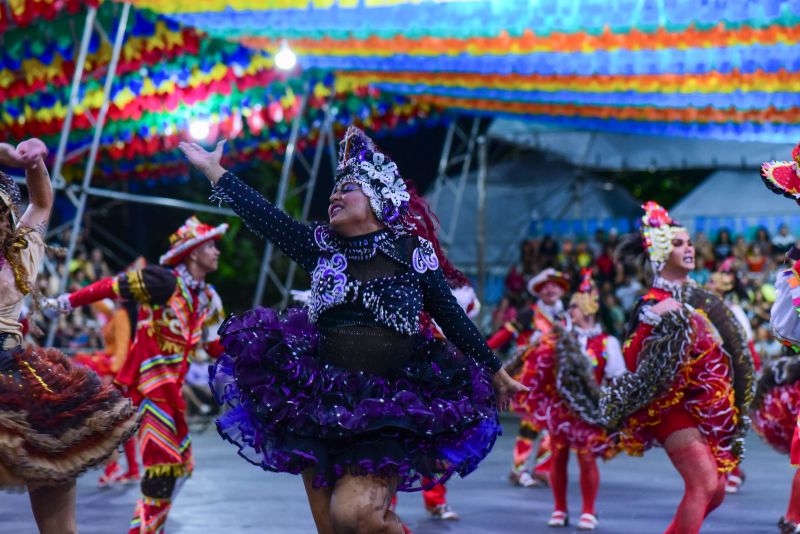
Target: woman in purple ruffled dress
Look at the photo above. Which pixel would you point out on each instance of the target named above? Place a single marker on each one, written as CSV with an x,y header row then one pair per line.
x,y
350,392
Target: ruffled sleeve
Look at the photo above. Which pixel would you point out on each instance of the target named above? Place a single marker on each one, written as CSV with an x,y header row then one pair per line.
x,y
785,317
615,363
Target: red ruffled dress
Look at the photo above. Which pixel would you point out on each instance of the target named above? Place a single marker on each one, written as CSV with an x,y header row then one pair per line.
x,y
554,406
701,394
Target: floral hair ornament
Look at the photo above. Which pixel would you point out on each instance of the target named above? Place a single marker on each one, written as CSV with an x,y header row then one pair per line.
x,y
783,177
724,278
360,162
586,298
658,231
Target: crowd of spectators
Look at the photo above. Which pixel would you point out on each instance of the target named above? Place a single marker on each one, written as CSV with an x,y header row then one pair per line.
x,y
756,260
80,330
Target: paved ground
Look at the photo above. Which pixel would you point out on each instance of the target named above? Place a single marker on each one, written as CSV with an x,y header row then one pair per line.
x,y
229,496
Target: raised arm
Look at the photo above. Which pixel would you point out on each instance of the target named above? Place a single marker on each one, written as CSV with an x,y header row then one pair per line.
x,y
151,285
458,328
30,155
295,239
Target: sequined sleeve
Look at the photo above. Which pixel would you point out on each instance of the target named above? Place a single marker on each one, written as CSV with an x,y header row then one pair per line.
x,y
292,237
457,327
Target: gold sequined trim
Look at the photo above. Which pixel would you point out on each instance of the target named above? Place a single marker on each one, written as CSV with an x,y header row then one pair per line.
x,y
137,286
37,377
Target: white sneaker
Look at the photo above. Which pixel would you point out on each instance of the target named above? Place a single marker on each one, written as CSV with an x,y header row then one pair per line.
x,y
588,522
733,484
444,512
527,481
558,519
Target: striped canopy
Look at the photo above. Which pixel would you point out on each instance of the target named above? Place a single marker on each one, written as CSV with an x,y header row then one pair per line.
x,y
697,68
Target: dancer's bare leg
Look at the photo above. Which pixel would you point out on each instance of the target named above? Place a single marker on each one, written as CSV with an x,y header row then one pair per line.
x,y
360,505
319,499
691,456
54,508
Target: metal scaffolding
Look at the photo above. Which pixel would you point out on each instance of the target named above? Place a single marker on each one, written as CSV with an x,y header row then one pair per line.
x,y
80,194
455,164
304,193
90,25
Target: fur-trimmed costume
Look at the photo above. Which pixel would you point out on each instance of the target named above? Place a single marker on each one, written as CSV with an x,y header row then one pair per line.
x,y
56,419
565,388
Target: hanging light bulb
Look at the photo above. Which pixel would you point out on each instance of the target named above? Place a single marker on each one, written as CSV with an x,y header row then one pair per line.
x,y
285,58
199,129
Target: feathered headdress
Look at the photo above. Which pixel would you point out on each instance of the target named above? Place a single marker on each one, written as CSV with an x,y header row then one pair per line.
x,y
658,231
587,297
783,177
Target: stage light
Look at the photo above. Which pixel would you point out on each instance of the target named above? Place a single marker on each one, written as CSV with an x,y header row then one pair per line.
x,y
285,58
199,129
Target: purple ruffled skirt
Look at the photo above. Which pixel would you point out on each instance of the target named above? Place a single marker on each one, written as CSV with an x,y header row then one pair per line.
x,y
291,412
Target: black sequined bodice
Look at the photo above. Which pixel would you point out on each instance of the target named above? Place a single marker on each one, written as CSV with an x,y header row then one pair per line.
x,y
368,292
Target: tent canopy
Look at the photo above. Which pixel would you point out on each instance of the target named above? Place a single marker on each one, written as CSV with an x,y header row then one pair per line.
x,y
736,200
533,191
615,151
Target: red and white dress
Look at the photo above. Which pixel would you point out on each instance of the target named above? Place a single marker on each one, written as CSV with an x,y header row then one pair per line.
x,y
563,403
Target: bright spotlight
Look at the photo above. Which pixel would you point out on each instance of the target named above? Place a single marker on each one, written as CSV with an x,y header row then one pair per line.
x,y
199,129
285,58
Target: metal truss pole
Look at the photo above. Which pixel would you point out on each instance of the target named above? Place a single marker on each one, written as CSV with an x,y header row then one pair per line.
x,y
483,170
80,65
280,200
119,39
459,149
325,139
167,202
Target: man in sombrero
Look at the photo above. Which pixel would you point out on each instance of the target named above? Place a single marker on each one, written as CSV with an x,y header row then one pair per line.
x,y
178,314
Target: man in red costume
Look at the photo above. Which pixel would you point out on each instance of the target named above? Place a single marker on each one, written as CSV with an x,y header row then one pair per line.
x,y
178,313
526,330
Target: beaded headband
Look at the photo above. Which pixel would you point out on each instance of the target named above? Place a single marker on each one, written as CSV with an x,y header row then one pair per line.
x,y
360,162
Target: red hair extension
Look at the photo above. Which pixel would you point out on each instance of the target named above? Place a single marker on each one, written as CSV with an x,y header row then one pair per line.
x,y
422,222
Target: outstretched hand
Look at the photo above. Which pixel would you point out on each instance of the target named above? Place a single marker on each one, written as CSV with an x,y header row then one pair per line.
x,y
505,388
666,306
208,163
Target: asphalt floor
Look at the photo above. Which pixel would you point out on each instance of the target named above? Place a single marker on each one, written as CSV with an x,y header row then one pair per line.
x,y
226,495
